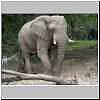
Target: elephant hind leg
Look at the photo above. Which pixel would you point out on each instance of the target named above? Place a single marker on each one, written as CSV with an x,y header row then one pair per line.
x,y
21,62
28,64
24,62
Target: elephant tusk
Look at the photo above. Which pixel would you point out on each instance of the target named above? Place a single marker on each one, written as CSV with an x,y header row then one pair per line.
x,y
54,42
71,41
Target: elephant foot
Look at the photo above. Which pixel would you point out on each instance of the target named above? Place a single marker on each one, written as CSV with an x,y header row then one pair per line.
x,y
47,72
56,72
20,69
28,71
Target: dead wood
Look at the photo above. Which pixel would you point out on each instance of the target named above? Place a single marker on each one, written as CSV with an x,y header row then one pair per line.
x,y
23,76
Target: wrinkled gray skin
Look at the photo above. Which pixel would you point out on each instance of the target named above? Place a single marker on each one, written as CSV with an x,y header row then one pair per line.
x,y
37,36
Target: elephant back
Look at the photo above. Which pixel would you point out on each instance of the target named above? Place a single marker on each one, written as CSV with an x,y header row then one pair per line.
x,y
40,28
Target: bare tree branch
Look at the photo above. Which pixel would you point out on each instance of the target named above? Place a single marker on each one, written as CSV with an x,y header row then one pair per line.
x,y
24,76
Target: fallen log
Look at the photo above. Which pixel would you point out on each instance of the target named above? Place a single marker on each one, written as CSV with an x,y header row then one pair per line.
x,y
24,76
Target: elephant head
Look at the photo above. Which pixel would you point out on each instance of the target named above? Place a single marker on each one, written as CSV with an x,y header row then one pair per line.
x,y
58,26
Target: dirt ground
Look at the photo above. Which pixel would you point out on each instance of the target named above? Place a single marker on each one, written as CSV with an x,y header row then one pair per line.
x,y
85,71
81,65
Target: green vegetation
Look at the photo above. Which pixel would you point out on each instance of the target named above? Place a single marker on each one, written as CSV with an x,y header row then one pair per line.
x,y
81,25
35,59
80,44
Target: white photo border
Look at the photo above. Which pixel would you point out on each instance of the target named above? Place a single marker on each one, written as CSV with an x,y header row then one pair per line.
x,y
14,91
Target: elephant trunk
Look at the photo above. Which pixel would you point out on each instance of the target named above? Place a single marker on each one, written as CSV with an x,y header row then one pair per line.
x,y
60,54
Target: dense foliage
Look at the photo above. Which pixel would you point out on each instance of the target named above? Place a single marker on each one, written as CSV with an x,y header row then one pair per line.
x,y
80,26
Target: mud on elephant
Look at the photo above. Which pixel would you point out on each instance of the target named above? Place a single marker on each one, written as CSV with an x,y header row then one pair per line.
x,y
38,36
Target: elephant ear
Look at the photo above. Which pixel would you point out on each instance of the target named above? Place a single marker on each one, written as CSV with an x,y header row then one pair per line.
x,y
39,28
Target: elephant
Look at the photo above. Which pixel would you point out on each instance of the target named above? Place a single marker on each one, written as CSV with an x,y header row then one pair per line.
x,y
39,35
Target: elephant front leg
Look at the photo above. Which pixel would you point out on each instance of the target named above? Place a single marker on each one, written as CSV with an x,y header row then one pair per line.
x,y
57,68
42,51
